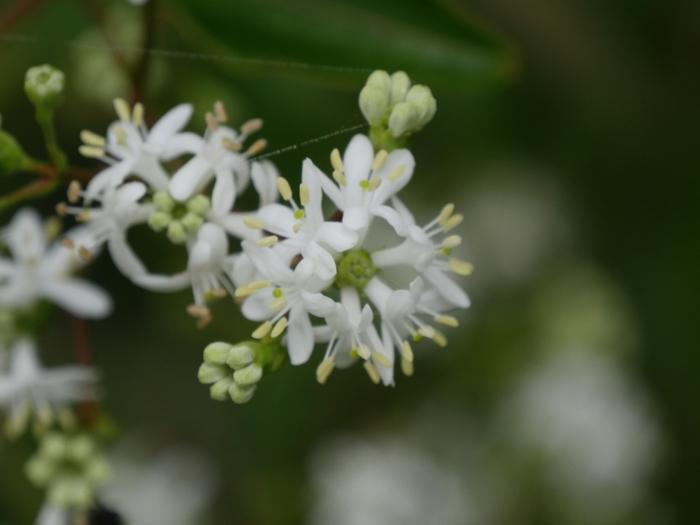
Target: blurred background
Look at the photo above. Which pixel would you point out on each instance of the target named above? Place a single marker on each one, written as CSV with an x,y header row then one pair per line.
x,y
567,132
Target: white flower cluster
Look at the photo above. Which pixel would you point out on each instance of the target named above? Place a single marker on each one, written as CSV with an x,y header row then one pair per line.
x,y
309,277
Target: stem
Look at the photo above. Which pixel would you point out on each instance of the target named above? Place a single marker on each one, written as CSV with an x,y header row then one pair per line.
x,y
88,411
33,190
45,119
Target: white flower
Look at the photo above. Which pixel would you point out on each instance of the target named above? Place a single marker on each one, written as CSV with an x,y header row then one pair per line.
x,y
52,514
365,182
131,149
304,230
173,487
283,291
27,388
431,258
40,271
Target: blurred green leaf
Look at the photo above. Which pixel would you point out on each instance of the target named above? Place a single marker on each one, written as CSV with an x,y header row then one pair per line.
x,y
434,42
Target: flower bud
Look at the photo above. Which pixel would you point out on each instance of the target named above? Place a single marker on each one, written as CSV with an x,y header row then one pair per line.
x,y
39,470
404,119
219,390
241,394
198,205
379,79
400,84
53,446
44,85
249,375
97,470
241,355
211,373
163,201
424,102
192,222
374,104
80,448
217,352
176,232
159,220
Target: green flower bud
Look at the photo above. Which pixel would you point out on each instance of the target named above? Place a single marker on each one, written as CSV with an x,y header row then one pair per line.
x,y
12,156
219,390
80,448
241,355
97,471
400,84
192,222
217,352
176,232
380,79
374,104
54,446
59,492
403,119
39,470
159,220
44,86
211,373
79,493
249,375
199,205
163,201
423,100
355,268
241,394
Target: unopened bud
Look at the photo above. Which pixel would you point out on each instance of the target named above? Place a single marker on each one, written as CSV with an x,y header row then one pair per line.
x,y
44,86
400,84
240,355
374,104
249,375
404,118
241,394
217,352
176,232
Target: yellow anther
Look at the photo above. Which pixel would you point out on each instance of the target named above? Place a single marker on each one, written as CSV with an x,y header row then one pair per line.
x,y
381,359
262,330
284,188
363,352
211,121
304,194
268,241
337,161
91,152
452,222
254,223
250,288
92,139
460,267
83,216
397,173
67,242
120,134
220,111
406,351
447,320
122,109
74,191
325,369
137,114
252,126
232,145
407,367
452,241
439,339
340,178
85,254
280,326
372,372
256,147
201,313
426,331
379,160
61,209
374,183
446,213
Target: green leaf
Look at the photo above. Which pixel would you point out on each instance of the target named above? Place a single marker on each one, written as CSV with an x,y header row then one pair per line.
x,y
435,43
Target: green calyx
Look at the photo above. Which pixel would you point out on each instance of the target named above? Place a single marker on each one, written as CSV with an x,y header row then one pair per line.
x,y
70,467
355,268
178,219
394,108
234,371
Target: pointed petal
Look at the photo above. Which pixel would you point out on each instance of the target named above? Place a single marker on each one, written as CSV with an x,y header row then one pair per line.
x,y
78,297
190,178
111,176
447,288
337,236
400,159
278,219
25,235
181,144
224,193
357,161
300,336
169,124
264,176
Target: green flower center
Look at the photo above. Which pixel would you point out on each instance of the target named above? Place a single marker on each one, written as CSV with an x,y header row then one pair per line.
x,y
178,219
355,268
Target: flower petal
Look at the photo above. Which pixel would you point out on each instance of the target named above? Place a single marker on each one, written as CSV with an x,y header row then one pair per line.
x,y
264,175
357,162
181,144
78,297
400,159
337,236
447,288
300,336
190,178
169,124
224,193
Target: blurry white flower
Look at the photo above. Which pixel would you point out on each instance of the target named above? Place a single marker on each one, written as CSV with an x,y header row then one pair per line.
x,y
27,389
172,487
51,514
591,428
386,482
41,271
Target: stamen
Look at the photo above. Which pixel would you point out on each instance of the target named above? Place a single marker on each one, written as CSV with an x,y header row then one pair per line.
x,y
220,111
92,139
120,135
250,288
278,304
280,326
381,359
406,351
61,209
397,173
85,254
137,114
83,216
374,184
439,339
268,241
407,367
460,267
74,190
452,222
91,152
379,160
251,126
363,352
427,331
218,293
284,188
372,372
325,369
304,194
447,320
122,109
340,178
212,123
262,330
256,147
451,242
337,161
445,213
254,223
67,242
201,313
232,145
